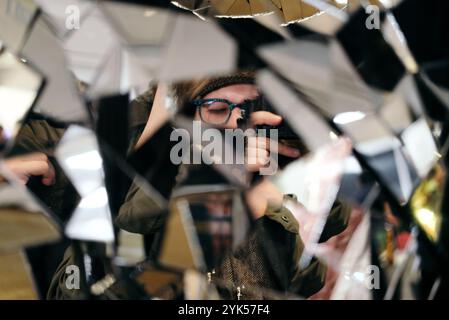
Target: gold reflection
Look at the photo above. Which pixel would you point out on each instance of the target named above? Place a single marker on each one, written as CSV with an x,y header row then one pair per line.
x,y
426,202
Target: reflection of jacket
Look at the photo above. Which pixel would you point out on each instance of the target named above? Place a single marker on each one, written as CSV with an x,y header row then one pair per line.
x,y
267,259
39,134
42,135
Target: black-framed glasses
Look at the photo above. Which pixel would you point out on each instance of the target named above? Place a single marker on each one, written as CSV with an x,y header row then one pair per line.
x,y
217,111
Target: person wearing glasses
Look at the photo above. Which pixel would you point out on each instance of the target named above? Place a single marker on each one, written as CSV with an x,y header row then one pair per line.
x,y
268,258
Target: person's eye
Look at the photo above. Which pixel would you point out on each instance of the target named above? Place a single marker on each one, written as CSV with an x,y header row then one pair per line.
x,y
217,107
218,111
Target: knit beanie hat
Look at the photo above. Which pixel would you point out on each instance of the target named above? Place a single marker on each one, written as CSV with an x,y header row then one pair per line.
x,y
190,90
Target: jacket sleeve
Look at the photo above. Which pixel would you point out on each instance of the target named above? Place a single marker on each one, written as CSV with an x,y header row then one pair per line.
x,y
139,213
303,282
59,290
337,221
270,256
266,262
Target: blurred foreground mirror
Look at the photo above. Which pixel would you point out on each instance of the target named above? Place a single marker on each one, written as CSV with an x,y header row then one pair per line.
x,y
382,152
213,221
20,85
16,17
79,156
23,222
315,181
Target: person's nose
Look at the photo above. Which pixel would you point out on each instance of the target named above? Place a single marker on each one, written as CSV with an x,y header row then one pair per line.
x,y
236,114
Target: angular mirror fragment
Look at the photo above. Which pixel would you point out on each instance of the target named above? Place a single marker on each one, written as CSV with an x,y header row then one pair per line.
x,y
396,113
310,126
324,73
358,187
23,221
16,20
427,202
406,275
421,147
407,88
20,85
423,25
150,26
135,56
256,35
376,61
349,91
17,282
79,156
305,63
32,162
179,248
369,133
383,152
212,221
395,172
324,23
348,257
394,36
393,249
109,79
159,283
188,56
64,14
130,250
435,77
191,4
128,161
220,220
320,173
220,151
87,47
60,99
197,287
159,172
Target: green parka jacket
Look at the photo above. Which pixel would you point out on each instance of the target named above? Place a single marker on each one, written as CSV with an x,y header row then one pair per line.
x,y
268,258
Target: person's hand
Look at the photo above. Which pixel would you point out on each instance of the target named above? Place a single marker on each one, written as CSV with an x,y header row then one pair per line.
x,y
258,148
260,195
33,164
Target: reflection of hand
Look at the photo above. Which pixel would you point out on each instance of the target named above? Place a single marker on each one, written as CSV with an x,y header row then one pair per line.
x,y
260,195
257,150
34,164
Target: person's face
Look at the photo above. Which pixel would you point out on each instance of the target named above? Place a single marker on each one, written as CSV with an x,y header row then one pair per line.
x,y
237,93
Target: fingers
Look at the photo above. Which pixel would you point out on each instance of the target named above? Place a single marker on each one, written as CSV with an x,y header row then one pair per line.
x,y
265,117
258,152
272,146
34,156
255,163
41,168
257,155
288,151
260,195
49,175
35,164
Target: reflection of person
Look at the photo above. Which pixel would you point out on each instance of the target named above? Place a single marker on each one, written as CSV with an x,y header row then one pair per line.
x,y
268,257
30,160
